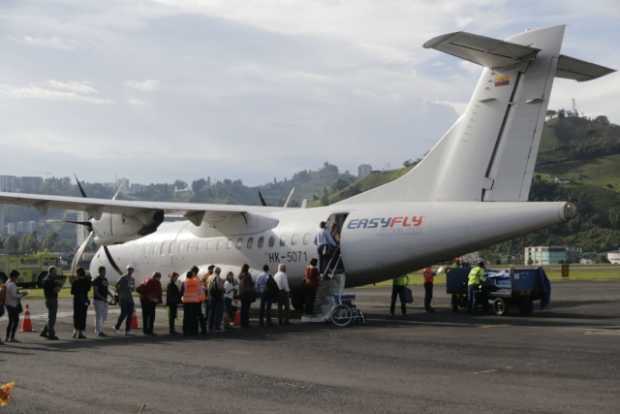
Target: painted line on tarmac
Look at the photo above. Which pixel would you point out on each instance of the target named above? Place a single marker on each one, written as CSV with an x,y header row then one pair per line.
x,y
67,314
431,323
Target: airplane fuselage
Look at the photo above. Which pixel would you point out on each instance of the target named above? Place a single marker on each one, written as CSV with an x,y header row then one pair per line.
x,y
378,241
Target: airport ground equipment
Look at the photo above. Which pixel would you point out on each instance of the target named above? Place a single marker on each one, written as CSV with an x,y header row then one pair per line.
x,y
32,267
503,289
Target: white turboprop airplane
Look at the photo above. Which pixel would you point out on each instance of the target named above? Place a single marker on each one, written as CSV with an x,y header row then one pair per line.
x,y
470,191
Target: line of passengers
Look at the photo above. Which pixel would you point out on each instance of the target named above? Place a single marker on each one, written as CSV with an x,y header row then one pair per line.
x,y
208,300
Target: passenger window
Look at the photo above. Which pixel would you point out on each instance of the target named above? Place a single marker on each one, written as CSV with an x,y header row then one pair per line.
x,y
239,243
229,244
307,238
272,241
282,242
261,242
219,245
250,242
294,239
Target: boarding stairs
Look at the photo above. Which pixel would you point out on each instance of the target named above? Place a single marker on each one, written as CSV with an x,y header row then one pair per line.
x,y
331,303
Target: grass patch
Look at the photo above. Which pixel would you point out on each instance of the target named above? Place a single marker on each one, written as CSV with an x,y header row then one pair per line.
x,y
64,293
583,273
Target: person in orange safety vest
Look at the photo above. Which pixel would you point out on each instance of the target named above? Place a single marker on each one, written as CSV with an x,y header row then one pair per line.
x,y
192,296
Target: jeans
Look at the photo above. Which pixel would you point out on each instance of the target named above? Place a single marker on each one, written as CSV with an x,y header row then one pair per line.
x,y
398,291
428,296
172,317
148,316
284,307
472,292
309,299
127,309
216,313
52,310
80,310
11,328
101,314
265,308
245,312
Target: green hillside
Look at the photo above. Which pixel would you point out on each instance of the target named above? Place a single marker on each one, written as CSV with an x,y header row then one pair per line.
x,y
579,161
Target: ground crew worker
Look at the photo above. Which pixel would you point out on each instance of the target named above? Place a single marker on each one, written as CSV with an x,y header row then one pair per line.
x,y
325,244
399,286
51,287
192,297
173,298
124,289
476,277
79,289
311,284
429,275
100,299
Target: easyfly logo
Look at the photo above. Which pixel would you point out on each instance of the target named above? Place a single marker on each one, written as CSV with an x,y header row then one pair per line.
x,y
386,222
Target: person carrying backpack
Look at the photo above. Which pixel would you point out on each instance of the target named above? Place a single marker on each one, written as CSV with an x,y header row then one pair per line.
x,y
247,292
267,289
215,288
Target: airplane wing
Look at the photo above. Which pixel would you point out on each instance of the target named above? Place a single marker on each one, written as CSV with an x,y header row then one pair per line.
x,y
95,207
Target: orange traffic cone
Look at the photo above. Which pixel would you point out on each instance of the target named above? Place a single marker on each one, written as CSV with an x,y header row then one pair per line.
x,y
237,320
134,321
27,323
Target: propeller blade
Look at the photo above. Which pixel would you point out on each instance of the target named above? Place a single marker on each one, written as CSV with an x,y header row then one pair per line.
x,y
111,260
85,223
290,197
262,199
78,254
79,184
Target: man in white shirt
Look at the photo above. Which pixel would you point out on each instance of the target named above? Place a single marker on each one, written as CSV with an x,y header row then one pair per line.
x,y
281,279
324,243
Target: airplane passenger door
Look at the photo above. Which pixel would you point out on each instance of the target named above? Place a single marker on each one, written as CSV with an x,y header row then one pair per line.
x,y
335,222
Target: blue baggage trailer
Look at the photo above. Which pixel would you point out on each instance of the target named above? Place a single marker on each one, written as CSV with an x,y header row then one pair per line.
x,y
516,287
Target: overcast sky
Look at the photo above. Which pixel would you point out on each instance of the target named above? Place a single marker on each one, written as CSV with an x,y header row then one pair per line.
x,y
164,89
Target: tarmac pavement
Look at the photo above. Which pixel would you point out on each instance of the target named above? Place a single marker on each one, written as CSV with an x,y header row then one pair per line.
x,y
562,360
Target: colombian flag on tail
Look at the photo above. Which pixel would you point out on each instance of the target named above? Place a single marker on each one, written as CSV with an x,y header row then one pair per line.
x,y
5,393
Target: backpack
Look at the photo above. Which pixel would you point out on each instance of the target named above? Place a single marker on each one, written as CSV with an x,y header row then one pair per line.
x,y
214,289
272,287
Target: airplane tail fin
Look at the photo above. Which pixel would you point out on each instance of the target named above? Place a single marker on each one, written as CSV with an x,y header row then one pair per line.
x,y
490,152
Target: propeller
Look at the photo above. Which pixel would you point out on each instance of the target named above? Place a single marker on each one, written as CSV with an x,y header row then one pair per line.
x,y
262,199
88,224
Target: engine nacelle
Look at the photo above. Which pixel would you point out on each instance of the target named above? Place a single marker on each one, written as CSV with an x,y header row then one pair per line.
x,y
120,228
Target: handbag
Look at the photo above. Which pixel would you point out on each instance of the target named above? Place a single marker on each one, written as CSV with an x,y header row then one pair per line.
x,y
408,295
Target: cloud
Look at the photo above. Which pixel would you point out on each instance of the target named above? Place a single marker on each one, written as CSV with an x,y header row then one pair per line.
x,y
55,90
52,42
136,102
147,85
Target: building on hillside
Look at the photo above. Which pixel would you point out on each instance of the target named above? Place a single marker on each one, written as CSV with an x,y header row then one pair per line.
x,y
614,257
364,170
546,255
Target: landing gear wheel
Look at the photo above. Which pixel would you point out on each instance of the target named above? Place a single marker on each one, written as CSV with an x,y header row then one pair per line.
x,y
341,316
500,306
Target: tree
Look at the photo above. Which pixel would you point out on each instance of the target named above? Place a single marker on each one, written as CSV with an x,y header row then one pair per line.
x,y
198,185
325,197
50,241
180,185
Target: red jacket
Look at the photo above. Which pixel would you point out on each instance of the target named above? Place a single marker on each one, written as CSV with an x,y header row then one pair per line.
x,y
151,290
311,277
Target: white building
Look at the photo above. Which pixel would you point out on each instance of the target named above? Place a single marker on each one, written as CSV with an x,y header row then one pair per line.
x,y
364,170
614,257
545,255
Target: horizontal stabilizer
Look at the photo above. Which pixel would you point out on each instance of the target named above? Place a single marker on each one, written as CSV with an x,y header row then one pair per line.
x,y
482,50
579,70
